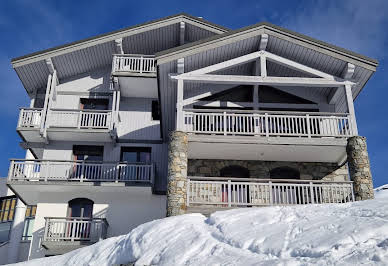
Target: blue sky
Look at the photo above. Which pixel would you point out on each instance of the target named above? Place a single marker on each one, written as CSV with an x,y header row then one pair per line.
x,y
28,26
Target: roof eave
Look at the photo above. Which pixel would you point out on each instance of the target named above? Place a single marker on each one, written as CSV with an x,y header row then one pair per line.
x,y
265,27
41,55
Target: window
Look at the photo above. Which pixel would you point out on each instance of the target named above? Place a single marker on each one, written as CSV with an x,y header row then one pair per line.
x,y
7,210
88,153
155,110
29,222
94,104
81,207
136,154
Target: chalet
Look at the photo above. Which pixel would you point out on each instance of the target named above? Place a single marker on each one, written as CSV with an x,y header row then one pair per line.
x,y
179,115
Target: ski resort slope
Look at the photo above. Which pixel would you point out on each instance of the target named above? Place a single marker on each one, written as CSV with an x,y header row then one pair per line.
x,y
331,234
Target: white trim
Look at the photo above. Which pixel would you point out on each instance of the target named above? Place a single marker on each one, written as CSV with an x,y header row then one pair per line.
x,y
294,65
226,64
263,42
253,80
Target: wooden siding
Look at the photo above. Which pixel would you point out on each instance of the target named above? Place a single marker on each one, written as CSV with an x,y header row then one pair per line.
x,y
136,120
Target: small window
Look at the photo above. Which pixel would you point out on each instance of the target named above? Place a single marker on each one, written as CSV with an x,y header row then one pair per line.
x,y
88,153
284,173
136,154
155,110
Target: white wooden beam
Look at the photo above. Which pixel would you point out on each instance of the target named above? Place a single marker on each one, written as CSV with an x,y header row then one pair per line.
x,y
179,106
226,64
50,65
263,42
348,71
263,66
300,67
182,33
181,65
250,104
253,80
349,101
119,46
347,74
51,68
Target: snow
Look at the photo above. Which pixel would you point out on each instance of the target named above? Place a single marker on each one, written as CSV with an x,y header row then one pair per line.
x,y
346,234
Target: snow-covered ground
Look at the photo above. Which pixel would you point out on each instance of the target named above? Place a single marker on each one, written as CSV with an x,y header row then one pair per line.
x,y
332,234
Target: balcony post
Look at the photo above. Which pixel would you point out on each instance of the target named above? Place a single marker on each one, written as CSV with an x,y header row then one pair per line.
x,y
79,120
46,226
359,168
225,123
177,173
349,101
311,193
266,125
308,126
141,64
229,193
82,171
270,193
11,170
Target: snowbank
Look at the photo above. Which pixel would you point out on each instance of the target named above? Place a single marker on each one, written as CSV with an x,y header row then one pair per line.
x,y
345,234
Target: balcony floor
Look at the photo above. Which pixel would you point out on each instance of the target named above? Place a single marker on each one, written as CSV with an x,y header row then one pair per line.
x,y
295,149
85,134
33,192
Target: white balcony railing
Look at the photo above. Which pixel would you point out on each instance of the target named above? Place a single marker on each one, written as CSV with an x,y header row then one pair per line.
x,y
82,171
260,123
229,192
75,229
81,119
134,63
30,118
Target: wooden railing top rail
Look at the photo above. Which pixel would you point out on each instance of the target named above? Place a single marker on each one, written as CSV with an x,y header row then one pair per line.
x,y
201,178
30,108
135,55
77,218
263,112
79,110
79,161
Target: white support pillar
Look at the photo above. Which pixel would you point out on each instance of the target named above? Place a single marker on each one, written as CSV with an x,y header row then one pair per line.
x,y
349,101
182,33
263,66
256,87
16,232
179,106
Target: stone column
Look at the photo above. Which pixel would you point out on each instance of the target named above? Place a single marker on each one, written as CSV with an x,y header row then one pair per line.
x,y
177,173
16,232
359,168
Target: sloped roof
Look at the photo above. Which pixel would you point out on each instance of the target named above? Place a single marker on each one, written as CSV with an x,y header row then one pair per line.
x,y
114,35
265,27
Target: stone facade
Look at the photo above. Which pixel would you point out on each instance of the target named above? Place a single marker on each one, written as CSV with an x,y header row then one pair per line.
x,y
359,168
177,173
261,169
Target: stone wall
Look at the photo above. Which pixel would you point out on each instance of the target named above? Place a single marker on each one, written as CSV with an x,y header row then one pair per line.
x,y
359,168
261,169
177,173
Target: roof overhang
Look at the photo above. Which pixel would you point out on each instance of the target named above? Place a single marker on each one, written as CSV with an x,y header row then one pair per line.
x,y
111,36
270,29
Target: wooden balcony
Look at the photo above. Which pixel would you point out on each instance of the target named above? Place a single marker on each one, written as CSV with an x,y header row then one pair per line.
x,y
83,125
266,136
133,64
29,124
239,192
267,124
79,171
136,75
64,234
